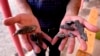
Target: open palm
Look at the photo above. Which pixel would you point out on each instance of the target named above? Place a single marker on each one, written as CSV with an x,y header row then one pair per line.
x,y
22,20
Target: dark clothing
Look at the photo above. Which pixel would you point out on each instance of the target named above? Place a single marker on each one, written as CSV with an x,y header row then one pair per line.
x,y
53,49
49,14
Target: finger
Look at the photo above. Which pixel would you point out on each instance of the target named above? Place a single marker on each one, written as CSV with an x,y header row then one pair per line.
x,y
63,43
36,48
45,36
83,44
38,42
91,27
25,42
82,41
44,46
71,44
11,20
55,39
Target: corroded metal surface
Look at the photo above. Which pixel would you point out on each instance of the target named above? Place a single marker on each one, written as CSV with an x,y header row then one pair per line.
x,y
75,25
25,30
80,29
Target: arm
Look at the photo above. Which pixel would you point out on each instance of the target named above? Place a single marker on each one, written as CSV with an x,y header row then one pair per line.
x,y
73,7
25,17
22,6
71,15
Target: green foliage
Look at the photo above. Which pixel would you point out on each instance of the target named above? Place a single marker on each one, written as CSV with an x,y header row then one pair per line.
x,y
98,35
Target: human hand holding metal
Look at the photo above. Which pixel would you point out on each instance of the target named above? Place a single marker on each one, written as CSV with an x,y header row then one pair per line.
x,y
27,21
75,25
68,33
36,37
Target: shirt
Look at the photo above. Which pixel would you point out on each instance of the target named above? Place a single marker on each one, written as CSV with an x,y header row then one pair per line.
x,y
48,12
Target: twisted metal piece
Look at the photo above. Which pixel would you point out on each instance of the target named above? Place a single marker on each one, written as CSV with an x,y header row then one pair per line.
x,y
80,28
26,29
36,37
69,26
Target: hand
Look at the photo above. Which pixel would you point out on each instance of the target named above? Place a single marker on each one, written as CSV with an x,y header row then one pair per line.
x,y
71,40
27,20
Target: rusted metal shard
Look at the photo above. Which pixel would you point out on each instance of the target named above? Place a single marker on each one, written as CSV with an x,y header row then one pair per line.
x,y
26,29
37,38
80,28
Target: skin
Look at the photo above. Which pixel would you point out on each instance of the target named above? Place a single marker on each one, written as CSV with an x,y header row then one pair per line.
x,y
71,14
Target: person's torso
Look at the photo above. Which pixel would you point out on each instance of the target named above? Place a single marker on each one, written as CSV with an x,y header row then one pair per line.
x,y
48,12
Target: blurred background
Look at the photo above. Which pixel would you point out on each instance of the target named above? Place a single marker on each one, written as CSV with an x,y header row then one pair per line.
x,y
6,45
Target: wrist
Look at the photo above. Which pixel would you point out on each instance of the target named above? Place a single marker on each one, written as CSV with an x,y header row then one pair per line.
x,y
71,13
24,12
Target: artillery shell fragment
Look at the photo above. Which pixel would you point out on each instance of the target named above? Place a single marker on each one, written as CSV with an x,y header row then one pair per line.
x,y
80,28
84,37
26,29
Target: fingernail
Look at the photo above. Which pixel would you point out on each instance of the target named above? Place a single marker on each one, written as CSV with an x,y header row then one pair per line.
x,y
60,48
37,51
69,51
44,47
27,47
83,48
52,43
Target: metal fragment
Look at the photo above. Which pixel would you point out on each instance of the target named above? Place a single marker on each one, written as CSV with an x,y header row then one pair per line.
x,y
26,29
80,28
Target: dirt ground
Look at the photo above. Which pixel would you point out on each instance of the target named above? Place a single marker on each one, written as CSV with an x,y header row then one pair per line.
x,y
6,45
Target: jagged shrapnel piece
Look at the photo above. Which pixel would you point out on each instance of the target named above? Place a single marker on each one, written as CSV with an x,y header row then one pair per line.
x,y
26,29
80,28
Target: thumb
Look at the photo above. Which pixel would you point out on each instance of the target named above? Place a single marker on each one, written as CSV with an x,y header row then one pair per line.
x,y
91,27
11,20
